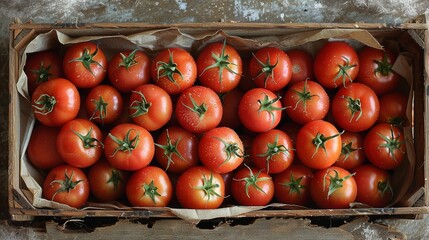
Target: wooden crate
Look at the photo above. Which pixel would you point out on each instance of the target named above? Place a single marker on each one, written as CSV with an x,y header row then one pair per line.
x,y
413,37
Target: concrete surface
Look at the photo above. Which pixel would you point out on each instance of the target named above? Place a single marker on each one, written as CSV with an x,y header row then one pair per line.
x,y
43,11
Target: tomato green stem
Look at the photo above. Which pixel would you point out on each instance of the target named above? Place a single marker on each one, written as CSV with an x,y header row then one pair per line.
x,y
127,144
266,68
335,182
151,190
140,107
320,139
383,66
115,178
294,185
66,185
43,73
304,96
170,149
100,108
252,180
168,69
231,150
272,150
200,110
347,149
392,143
343,72
209,187
87,59
128,61
267,105
44,104
88,141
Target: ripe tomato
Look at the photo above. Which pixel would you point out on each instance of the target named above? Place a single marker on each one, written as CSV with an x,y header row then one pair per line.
x,y
221,150
355,108
333,187
41,150
41,67
373,186
352,154
128,70
85,64
384,146
272,151
393,109
230,102
198,109
376,70
336,64
107,183
177,149
67,185
219,67
104,104
318,144
306,101
270,68
129,147
252,187
292,186
302,65
200,188
260,106
149,187
55,102
174,70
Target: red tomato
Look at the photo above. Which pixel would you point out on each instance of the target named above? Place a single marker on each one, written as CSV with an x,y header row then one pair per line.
x,y
352,154
104,104
292,186
302,65
230,102
41,150
272,151
55,102
219,67
41,67
80,143
376,70
198,109
221,150
373,186
129,147
318,144
174,70
384,146
149,187
67,185
336,64
84,64
200,188
260,106
177,149
270,68
333,187
150,107
107,183
128,70
252,187
393,109
306,101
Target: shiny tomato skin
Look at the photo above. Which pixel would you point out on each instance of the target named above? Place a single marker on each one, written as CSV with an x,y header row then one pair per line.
x,y
292,186
85,64
65,97
301,64
149,187
393,109
128,70
104,104
230,102
352,154
255,196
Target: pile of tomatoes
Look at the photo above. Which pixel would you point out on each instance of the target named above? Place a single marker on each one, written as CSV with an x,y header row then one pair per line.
x,y
217,127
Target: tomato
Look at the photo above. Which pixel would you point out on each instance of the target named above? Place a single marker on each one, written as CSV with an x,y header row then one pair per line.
x,y
333,187
80,143
200,188
41,150
174,70
306,101
252,187
221,150
272,151
107,183
384,146
85,64
67,185
355,108
176,149
55,102
336,64
149,187
41,67
198,109
292,186
376,70
129,147
318,144
270,68
352,154
104,104
373,186
260,106
128,70
219,67
230,102
302,65
393,109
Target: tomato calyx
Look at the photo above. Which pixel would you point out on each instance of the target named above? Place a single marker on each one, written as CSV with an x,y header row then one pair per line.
x,y
335,182
101,108
128,61
151,190
231,150
391,144
267,105
200,110
320,139
43,73
273,149
209,187
140,107
383,66
354,105
384,187
397,121
266,68
252,180
294,185
66,185
44,104
88,141
115,178
127,144
169,69
169,149
87,59
347,149
303,96
342,72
